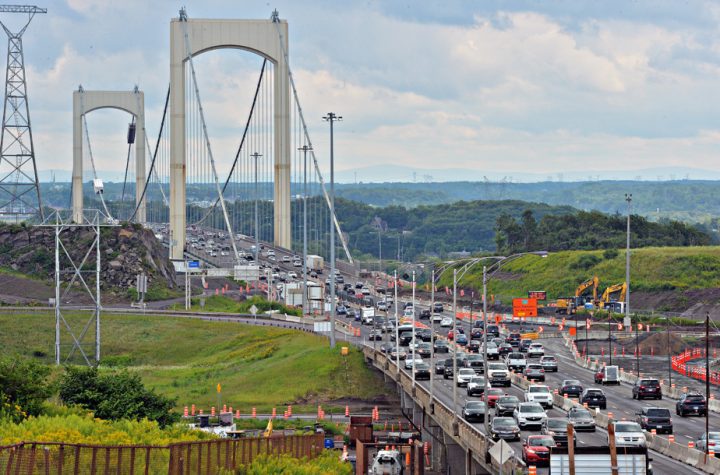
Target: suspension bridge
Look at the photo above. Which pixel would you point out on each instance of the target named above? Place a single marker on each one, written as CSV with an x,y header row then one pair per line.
x,y
176,182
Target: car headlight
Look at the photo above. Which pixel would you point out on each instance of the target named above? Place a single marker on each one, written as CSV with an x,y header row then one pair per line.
x,y
550,432
530,451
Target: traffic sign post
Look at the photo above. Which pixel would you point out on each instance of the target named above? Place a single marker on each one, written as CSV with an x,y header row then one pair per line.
x,y
254,310
525,308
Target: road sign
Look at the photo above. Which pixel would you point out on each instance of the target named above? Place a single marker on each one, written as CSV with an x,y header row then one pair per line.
x,y
525,308
537,294
501,452
253,310
193,264
322,327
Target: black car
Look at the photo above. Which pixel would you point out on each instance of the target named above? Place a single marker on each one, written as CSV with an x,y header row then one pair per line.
x,y
448,374
476,333
475,362
387,347
647,388
441,346
424,350
438,307
557,428
691,403
524,345
657,418
406,338
425,314
422,371
506,405
341,310
504,428
594,398
424,334
504,349
474,411
440,365
474,346
513,339
493,331
571,387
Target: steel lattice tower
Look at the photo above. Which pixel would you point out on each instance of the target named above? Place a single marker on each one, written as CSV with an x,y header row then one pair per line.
x,y
19,185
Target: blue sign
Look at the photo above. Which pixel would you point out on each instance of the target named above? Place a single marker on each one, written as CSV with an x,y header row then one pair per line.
x,y
194,264
329,443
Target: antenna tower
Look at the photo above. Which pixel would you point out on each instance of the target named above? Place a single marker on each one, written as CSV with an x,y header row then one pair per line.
x,y
19,185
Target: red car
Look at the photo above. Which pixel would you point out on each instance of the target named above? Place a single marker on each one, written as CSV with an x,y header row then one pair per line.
x,y
536,449
491,396
451,335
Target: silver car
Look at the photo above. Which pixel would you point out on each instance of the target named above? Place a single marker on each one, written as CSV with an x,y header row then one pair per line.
x,y
581,419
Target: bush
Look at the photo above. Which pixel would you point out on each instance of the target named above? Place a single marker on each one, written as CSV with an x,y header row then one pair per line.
x,y
585,262
327,463
24,383
609,254
115,396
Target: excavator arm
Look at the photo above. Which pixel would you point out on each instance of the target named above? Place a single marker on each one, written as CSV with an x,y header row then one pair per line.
x,y
594,283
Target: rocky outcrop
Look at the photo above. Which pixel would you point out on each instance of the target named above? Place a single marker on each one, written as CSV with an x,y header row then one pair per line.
x,y
126,251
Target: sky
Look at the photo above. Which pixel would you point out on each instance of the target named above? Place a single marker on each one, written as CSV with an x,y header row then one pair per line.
x,y
548,87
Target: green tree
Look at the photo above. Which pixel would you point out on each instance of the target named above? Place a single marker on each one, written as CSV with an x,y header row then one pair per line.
x,y
115,395
24,382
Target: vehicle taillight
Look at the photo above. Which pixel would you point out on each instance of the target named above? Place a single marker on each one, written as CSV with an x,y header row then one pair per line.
x,y
642,387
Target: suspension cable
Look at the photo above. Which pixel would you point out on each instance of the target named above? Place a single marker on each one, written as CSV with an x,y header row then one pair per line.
x,y
127,164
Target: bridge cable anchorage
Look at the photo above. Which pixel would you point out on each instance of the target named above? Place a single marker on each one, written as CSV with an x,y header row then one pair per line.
x,y
154,157
92,158
276,20
184,19
242,143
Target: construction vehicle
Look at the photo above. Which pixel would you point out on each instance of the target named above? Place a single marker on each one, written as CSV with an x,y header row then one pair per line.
x,y
565,305
613,299
580,298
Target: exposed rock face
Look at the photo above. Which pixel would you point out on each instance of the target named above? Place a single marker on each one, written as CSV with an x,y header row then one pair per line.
x,y
125,252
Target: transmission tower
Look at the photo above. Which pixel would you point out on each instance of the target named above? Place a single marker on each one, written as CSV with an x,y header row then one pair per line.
x,y
19,185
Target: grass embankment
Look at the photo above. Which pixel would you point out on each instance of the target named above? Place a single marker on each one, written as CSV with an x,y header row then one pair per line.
x,y
258,367
223,304
652,269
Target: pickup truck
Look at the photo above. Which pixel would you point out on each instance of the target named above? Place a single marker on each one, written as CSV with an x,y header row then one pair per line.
x,y
516,360
498,374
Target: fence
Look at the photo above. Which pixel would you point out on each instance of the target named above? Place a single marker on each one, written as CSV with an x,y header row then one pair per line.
x,y
695,372
52,458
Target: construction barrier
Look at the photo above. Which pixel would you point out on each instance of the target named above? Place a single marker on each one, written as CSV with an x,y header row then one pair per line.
x,y
679,364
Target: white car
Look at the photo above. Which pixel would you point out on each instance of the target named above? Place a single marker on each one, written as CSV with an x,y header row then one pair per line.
x,y
292,275
536,350
464,376
270,252
492,351
529,414
297,263
382,306
409,361
541,394
446,322
408,312
628,434
476,386
286,259
437,318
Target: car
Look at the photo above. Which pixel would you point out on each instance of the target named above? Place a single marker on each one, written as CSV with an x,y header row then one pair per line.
x,y
581,419
341,310
536,449
476,334
549,363
534,372
407,305
446,322
657,418
375,334
436,318
357,315
504,428
540,394
713,437
504,349
492,395
409,313
593,397
425,314
424,334
292,275
441,346
529,414
476,363
286,259
474,411
381,306
524,345
440,365
515,360
647,388
398,353
628,434
535,350
449,365
438,307
409,361
557,428
474,346
422,370
506,405
493,331
464,376
571,387
513,339
461,340
405,338
492,351
476,386
691,403
478,324
297,263
498,374
497,340
451,335
424,350
387,347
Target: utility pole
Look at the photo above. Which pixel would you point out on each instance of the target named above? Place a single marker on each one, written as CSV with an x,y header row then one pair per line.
x,y
380,247
414,343
331,117
628,198
610,325
397,323
257,225
455,353
305,149
432,333
667,331
485,359
707,384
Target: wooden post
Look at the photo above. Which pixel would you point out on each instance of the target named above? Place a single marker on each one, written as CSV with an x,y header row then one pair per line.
x,y
613,449
571,448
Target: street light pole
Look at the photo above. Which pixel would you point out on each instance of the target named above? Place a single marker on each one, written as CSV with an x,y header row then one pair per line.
x,y
414,343
432,337
305,149
667,331
397,323
628,198
707,384
380,248
454,330
610,325
257,226
485,359
332,118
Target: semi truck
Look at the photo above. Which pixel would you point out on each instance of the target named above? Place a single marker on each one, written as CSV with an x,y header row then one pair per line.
x,y
315,263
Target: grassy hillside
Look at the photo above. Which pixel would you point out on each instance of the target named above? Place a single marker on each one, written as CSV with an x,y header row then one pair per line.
x,y
652,269
187,358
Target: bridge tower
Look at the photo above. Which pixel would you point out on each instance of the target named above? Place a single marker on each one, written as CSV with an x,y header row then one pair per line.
x,y
267,38
19,185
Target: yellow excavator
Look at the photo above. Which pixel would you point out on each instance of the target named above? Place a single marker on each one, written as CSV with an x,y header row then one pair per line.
x,y
580,298
613,298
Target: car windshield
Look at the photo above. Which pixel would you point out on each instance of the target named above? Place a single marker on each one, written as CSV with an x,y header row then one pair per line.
x,y
508,400
491,345
503,421
571,382
556,424
627,427
658,413
467,371
478,380
541,441
714,435
475,405
649,382
534,366
548,358
531,408
695,398
495,392
496,366
595,393
580,414
538,389
420,365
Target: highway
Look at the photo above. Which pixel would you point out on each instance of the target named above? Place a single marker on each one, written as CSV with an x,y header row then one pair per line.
x,y
619,399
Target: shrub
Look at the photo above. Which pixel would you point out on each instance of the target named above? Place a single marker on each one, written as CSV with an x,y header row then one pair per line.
x,y
327,463
24,383
610,253
585,262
